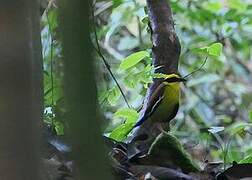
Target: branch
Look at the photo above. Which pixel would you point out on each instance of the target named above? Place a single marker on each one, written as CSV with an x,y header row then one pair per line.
x,y
166,46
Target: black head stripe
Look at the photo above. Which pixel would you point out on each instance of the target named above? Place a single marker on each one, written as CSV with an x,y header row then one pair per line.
x,y
173,79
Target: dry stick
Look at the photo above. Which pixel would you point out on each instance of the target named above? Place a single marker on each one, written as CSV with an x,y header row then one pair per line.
x,y
98,50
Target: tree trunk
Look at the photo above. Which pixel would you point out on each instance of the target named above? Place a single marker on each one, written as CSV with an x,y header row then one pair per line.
x,y
21,89
80,89
165,52
166,46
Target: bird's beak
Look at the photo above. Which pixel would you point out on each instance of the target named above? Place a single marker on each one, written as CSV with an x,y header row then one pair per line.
x,y
183,80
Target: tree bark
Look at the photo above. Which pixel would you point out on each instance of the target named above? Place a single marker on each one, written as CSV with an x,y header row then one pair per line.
x,y
80,89
21,91
166,45
165,52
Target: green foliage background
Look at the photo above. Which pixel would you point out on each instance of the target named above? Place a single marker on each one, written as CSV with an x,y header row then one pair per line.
x,y
214,120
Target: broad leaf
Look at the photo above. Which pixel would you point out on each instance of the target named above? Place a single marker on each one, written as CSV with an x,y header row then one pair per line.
x,y
247,159
213,6
238,128
133,59
130,115
215,49
113,96
238,5
59,127
121,132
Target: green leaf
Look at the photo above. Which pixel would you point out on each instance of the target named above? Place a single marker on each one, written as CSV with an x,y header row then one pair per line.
x,y
121,132
215,49
247,159
133,59
238,5
52,17
233,155
130,115
202,50
135,77
131,81
117,3
145,20
250,116
59,128
238,128
113,96
213,6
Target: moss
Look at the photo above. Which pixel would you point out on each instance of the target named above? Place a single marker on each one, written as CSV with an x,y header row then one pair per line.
x,y
168,150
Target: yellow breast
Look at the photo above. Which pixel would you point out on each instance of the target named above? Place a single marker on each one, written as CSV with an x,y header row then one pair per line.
x,y
167,108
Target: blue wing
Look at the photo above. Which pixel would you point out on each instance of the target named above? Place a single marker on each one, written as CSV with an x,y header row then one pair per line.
x,y
147,115
140,122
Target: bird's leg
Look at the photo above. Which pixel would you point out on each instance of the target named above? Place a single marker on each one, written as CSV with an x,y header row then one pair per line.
x,y
162,127
166,127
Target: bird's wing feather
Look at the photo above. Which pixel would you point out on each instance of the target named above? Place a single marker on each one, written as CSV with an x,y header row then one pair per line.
x,y
155,99
155,105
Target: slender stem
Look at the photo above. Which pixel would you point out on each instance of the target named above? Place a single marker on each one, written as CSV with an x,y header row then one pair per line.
x,y
225,153
98,50
197,69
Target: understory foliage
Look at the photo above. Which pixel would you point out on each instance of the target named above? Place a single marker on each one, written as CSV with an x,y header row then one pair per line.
x,y
215,116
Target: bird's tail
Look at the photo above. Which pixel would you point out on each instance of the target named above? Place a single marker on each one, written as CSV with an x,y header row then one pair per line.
x,y
140,122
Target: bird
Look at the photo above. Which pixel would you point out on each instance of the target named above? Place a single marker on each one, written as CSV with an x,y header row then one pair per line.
x,y
163,103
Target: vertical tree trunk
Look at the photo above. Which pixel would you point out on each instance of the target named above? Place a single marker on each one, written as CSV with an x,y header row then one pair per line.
x,y
80,88
20,89
165,52
166,45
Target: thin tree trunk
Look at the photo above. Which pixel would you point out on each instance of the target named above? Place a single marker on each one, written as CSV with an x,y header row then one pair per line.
x,y
20,89
166,45
165,52
80,88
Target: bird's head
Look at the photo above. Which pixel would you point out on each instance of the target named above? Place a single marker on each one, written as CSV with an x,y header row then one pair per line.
x,y
172,78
